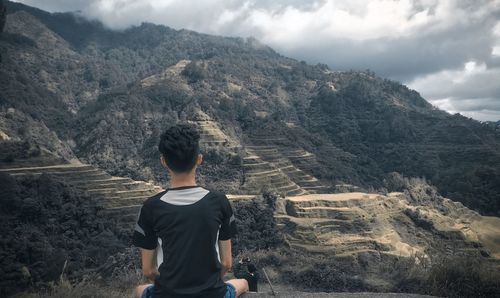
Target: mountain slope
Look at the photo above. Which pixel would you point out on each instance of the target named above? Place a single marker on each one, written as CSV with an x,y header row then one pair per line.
x,y
109,94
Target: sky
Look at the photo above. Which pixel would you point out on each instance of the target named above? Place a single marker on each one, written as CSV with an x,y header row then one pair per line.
x,y
449,51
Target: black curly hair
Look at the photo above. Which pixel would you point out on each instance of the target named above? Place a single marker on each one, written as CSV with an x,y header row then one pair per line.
x,y
179,145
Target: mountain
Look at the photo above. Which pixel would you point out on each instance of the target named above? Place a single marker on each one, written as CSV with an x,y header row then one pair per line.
x,y
268,121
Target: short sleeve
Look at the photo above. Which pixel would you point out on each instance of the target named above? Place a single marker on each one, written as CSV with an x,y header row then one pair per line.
x,y
144,235
228,226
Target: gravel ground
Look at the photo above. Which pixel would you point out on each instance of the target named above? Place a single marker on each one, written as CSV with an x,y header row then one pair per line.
x,y
333,295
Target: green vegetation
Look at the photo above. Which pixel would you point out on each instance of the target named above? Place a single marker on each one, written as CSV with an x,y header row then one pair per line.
x,y
2,16
257,228
48,229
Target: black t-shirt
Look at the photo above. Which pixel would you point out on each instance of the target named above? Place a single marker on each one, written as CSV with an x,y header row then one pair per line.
x,y
186,222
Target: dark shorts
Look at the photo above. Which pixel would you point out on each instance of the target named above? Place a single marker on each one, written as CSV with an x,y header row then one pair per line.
x,y
230,293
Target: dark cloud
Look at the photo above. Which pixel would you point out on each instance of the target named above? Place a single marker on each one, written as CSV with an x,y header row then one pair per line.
x,y
417,42
403,58
58,5
473,90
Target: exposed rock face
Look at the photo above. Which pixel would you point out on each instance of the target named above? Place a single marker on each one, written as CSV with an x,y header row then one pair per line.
x,y
4,136
21,135
350,223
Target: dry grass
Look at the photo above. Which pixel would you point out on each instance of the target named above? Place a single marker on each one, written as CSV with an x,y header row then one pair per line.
x,y
450,276
443,276
464,277
92,286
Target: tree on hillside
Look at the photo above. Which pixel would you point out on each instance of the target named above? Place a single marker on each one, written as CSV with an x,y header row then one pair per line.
x,y
3,13
194,72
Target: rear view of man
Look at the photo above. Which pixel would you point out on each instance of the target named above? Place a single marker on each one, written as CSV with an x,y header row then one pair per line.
x,y
186,230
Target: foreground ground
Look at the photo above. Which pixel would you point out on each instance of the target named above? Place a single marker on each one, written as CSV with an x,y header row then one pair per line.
x,y
334,295
120,288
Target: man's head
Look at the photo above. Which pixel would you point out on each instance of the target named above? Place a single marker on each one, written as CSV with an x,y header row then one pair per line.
x,y
179,148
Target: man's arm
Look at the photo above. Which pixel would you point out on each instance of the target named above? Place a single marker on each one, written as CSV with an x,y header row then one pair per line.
x,y
226,258
148,258
145,238
226,232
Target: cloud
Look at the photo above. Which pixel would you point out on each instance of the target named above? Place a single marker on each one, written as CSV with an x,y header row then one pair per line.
x,y
473,91
412,41
58,5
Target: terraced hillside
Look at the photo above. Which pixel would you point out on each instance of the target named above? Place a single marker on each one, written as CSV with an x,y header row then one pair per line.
x,y
211,133
120,197
282,161
260,173
350,223
339,224
274,162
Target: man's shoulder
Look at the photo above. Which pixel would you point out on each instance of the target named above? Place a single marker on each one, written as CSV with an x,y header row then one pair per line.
x,y
217,193
152,200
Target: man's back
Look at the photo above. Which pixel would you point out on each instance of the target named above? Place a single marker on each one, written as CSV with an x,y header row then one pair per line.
x,y
187,222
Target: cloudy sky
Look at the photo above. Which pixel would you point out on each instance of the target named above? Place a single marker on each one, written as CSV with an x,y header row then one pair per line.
x,y
447,50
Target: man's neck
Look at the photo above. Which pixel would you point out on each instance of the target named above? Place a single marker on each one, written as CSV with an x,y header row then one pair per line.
x,y
180,180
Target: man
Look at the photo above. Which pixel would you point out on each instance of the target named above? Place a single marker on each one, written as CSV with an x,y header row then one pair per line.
x,y
186,230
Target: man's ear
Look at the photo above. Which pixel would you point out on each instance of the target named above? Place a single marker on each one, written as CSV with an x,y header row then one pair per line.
x,y
163,161
199,159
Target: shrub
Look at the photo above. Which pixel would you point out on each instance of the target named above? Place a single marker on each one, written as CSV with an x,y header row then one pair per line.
x,y
194,72
464,277
256,227
44,225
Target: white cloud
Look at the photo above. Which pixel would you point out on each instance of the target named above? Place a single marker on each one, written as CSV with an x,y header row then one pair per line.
x,y
473,90
495,51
